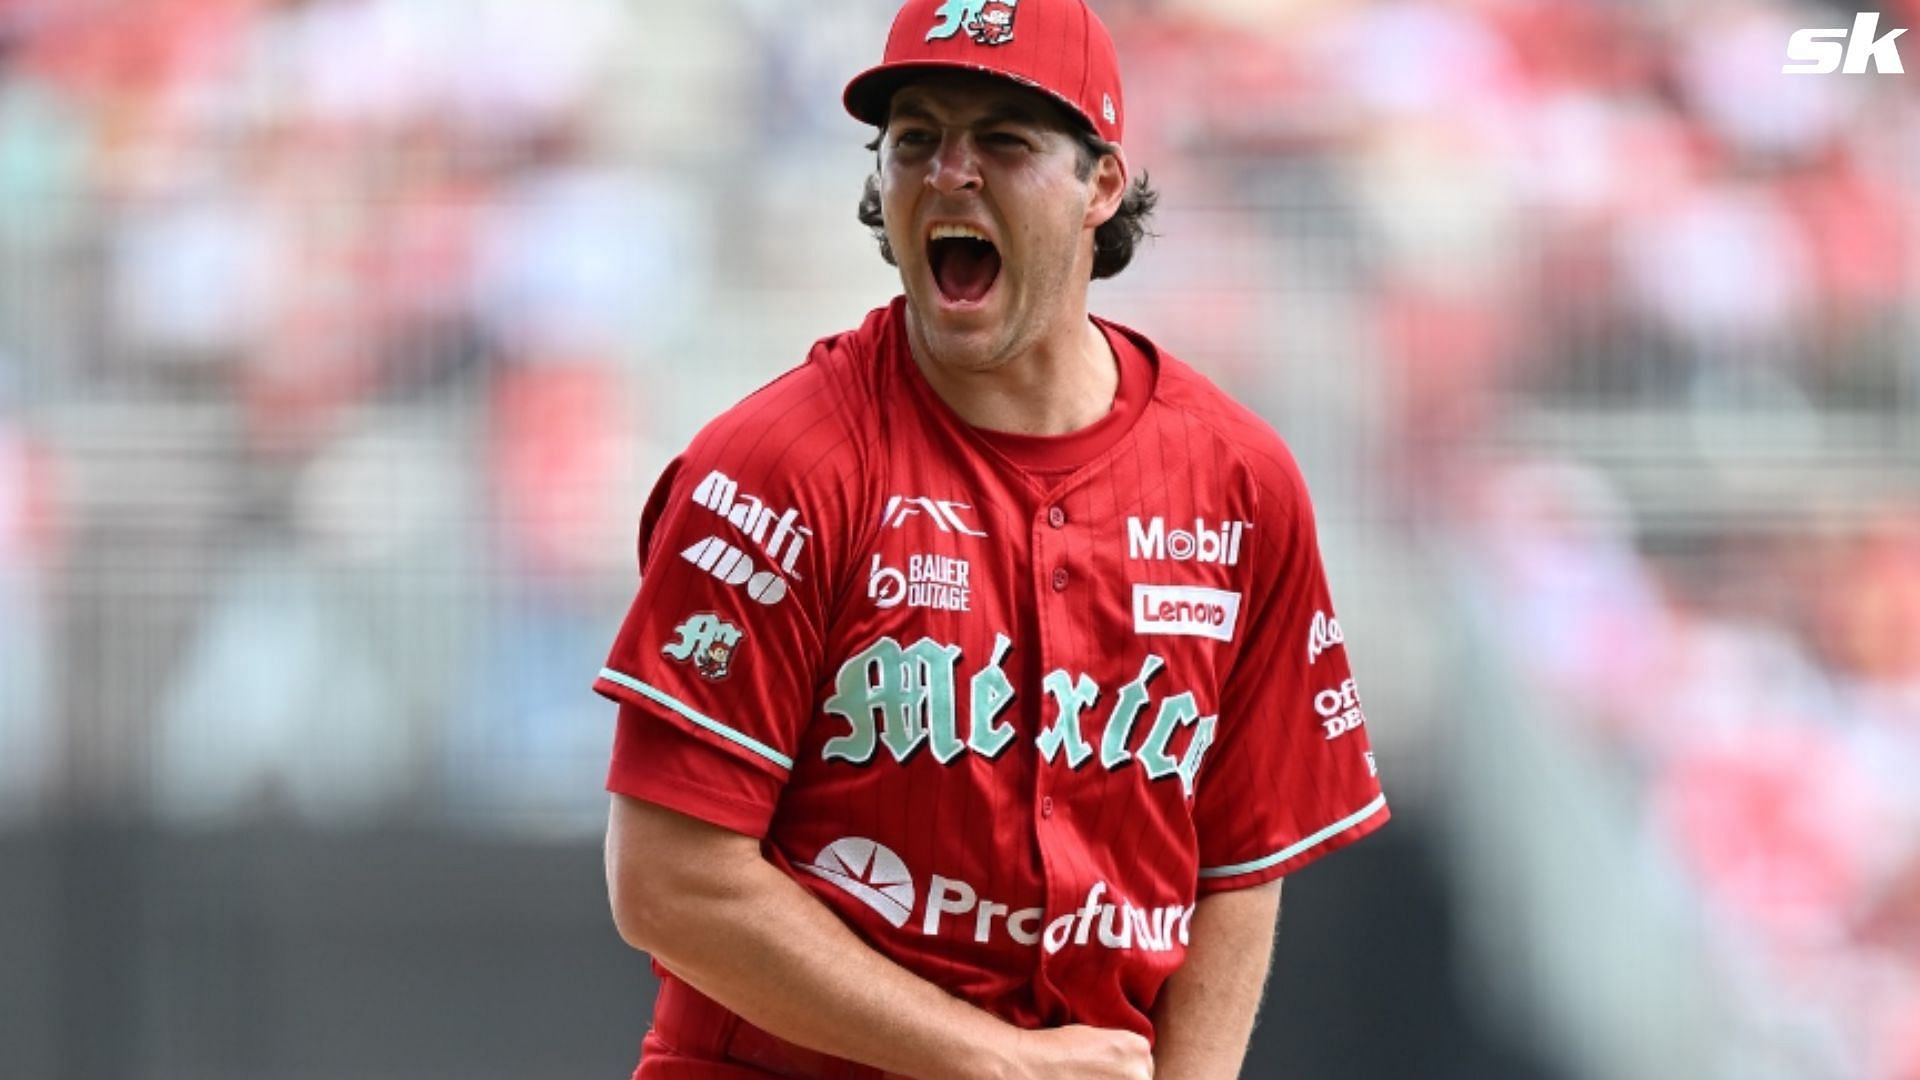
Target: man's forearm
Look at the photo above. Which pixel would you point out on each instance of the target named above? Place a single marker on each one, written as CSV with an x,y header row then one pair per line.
x,y
775,955
1206,1009
746,935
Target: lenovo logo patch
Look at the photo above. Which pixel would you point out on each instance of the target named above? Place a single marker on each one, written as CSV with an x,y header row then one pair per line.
x,y
1185,609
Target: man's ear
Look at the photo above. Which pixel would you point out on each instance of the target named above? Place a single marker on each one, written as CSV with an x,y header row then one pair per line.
x,y
1109,182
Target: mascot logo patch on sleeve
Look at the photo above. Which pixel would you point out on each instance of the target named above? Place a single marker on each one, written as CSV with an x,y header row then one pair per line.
x,y
987,22
708,643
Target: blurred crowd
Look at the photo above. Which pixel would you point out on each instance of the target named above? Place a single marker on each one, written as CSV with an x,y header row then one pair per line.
x,y
340,340
1761,695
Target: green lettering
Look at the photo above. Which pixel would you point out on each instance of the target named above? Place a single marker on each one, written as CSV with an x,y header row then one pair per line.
x,y
856,694
1175,711
992,692
910,689
932,666
1126,709
1196,752
1073,696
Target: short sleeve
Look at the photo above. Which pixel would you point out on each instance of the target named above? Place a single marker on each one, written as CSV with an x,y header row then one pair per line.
x,y
723,640
1293,774
665,765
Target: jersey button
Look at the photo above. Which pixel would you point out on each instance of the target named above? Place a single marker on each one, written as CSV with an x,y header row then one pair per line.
x,y
1060,579
1046,806
1056,517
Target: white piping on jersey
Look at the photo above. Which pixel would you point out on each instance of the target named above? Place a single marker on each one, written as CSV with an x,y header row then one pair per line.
x,y
1378,804
715,726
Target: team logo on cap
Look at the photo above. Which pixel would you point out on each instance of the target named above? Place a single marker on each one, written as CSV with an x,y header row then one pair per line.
x,y
987,22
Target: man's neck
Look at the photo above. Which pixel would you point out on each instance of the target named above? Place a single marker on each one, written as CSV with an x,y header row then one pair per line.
x,y
1054,388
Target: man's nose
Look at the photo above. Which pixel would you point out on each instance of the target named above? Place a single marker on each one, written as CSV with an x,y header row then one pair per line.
x,y
956,167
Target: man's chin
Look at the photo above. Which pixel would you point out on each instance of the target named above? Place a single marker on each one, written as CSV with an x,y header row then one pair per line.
x,y
961,351
961,337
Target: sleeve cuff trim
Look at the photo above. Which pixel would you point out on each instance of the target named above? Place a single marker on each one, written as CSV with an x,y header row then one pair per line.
x,y
1378,804
669,701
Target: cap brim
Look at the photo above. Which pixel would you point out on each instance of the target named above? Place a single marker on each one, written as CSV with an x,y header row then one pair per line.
x,y
871,92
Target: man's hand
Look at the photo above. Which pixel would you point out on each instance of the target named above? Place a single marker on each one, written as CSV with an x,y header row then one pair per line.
x,y
1080,1053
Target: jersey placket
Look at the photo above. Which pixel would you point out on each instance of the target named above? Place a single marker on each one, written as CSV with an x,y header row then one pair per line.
x,y
1054,580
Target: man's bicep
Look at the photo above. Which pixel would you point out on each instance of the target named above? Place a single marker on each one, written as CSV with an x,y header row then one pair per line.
x,y
660,860
1253,909
1206,1012
642,834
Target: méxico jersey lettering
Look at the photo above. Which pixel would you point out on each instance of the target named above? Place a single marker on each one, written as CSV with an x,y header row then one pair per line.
x,y
901,698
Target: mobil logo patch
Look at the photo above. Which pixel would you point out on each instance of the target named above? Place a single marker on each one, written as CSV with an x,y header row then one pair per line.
x,y
1150,539
1185,610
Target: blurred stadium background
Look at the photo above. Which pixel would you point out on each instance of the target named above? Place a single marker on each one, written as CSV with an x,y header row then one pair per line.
x,y
340,341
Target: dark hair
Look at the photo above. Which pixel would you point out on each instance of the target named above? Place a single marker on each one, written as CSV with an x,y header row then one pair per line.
x,y
1113,241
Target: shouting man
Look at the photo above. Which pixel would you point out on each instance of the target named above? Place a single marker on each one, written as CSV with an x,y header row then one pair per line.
x,y
982,683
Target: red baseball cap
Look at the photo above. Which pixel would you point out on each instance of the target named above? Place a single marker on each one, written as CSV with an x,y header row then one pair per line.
x,y
1058,46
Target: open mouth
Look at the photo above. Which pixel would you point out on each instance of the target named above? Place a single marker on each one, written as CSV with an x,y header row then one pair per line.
x,y
964,262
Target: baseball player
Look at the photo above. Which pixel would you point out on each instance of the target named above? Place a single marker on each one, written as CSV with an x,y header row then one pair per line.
x,y
982,683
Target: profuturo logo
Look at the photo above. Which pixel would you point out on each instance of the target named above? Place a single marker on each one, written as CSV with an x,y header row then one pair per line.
x,y
871,873
874,875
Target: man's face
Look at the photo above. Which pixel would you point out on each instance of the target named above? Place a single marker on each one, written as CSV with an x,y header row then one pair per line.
x,y
985,214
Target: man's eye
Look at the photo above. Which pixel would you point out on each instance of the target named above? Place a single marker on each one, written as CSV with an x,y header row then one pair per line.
x,y
1005,138
913,138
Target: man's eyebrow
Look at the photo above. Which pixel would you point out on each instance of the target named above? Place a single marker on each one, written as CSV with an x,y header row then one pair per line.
x,y
910,110
1009,112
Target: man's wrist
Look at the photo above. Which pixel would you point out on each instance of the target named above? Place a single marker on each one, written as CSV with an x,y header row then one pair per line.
x,y
989,1052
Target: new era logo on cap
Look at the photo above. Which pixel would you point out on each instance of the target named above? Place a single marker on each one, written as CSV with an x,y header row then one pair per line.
x,y
1057,46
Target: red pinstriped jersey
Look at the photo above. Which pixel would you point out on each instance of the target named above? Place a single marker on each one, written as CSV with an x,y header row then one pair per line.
x,y
1008,724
